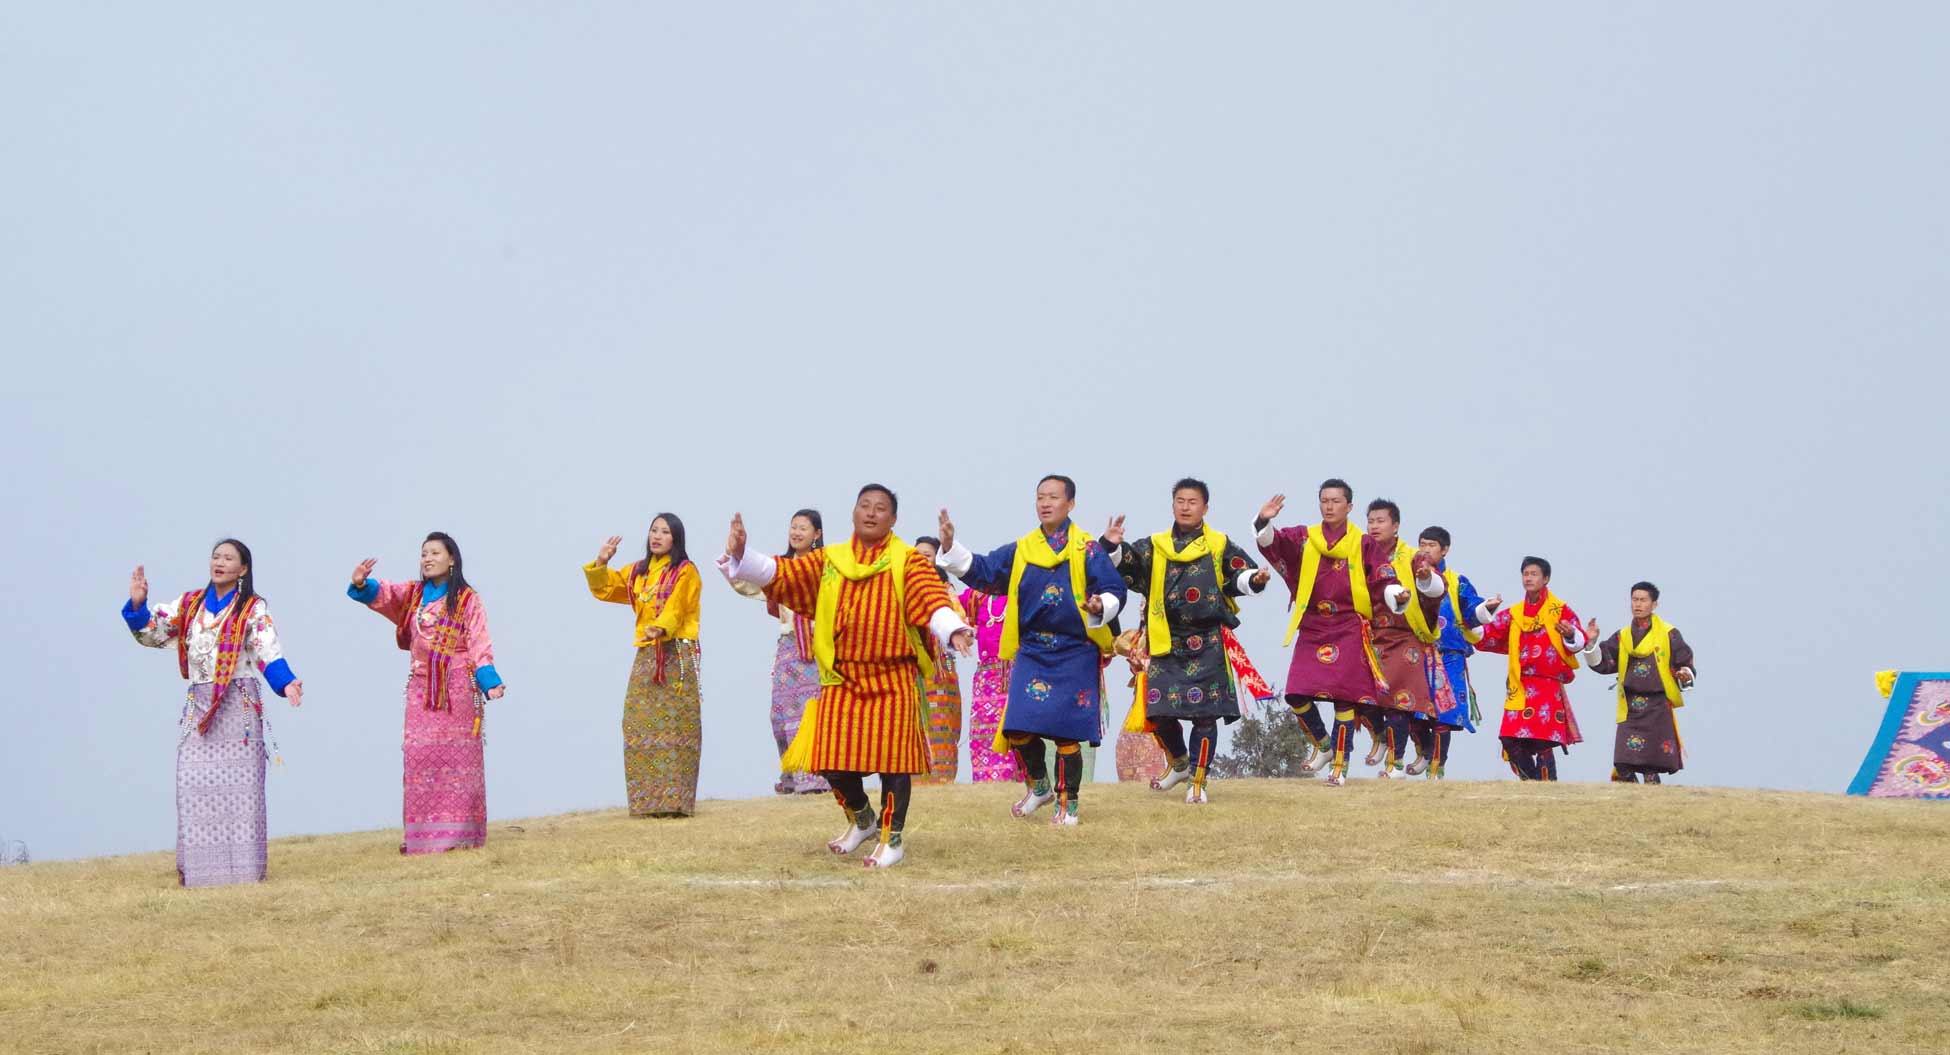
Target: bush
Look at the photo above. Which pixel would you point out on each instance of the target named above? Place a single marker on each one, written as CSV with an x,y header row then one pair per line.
x,y
1266,743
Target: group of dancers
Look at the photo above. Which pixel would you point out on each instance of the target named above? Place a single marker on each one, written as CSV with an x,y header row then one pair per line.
x,y
864,681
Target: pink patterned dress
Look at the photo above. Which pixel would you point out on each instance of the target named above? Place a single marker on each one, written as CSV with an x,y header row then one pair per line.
x,y
990,691
445,774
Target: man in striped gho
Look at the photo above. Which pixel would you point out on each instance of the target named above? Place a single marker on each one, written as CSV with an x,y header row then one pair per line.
x,y
872,597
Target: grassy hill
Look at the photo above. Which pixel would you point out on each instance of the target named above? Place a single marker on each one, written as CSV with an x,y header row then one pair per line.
x,y
1403,918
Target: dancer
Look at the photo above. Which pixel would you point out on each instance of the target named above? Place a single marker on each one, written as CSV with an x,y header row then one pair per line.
x,y
943,692
870,597
1062,594
1660,666
1404,637
1542,638
663,729
1188,577
795,676
1332,570
988,690
440,620
220,755
1457,643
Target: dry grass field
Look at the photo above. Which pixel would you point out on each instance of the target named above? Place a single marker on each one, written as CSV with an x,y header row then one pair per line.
x,y
1403,918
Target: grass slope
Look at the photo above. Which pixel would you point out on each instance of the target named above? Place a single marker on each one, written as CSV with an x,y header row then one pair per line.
x,y
1406,918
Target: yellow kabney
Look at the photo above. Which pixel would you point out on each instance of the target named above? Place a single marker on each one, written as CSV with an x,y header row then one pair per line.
x,y
841,564
1548,615
1034,548
1347,549
1404,565
1656,643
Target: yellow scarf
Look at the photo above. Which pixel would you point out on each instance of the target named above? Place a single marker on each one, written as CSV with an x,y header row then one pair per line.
x,y
1404,564
1034,548
1209,543
1656,643
842,564
1347,549
1455,609
1546,619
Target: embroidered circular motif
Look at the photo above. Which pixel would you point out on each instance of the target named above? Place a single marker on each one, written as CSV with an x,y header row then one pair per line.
x,y
1194,695
1191,595
1637,703
1366,701
1327,653
1324,607
1404,699
1038,689
1151,696
1414,654
1640,670
1052,594
1195,642
1635,742
1238,564
1529,712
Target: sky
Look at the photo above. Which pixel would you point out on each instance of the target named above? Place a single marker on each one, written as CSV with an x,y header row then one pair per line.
x,y
1655,290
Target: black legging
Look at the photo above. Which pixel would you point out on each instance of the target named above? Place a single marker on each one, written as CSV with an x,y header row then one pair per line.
x,y
895,791
1205,741
1069,764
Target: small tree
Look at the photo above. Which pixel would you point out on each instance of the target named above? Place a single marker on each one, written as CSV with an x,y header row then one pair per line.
x,y
1267,743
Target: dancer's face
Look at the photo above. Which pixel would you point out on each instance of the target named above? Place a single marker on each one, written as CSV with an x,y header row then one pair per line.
x,y
1334,505
1187,508
1643,605
1381,525
1534,579
226,567
1433,550
659,537
435,561
1053,506
873,517
802,536
927,549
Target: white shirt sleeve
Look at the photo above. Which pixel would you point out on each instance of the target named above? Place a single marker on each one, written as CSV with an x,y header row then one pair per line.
x,y
1484,616
1244,583
1396,597
1432,585
1265,535
944,624
956,561
1111,605
756,568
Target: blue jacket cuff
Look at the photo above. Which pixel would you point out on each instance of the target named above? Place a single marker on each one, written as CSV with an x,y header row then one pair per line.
x,y
137,618
365,596
279,675
487,677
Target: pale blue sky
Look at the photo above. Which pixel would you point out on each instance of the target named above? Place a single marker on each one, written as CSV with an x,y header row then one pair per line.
x,y
1656,290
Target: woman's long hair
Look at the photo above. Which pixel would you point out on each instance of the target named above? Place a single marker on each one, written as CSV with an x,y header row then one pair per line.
x,y
819,528
246,586
456,580
678,554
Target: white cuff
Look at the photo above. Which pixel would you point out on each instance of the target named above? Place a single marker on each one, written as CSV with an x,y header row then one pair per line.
x,y
1116,555
1396,597
1111,605
944,624
1244,583
756,568
1432,585
745,589
1484,615
956,561
1577,642
1265,536
1593,652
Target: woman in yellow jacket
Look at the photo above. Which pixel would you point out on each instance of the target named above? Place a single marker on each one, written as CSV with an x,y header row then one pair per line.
x,y
663,731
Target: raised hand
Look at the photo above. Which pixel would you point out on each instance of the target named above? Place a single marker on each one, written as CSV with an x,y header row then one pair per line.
x,y
734,545
1423,566
607,551
1272,508
1113,535
294,693
963,641
945,530
1591,630
138,587
1495,603
363,570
